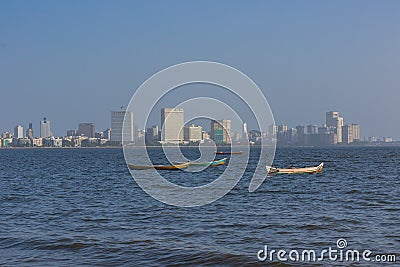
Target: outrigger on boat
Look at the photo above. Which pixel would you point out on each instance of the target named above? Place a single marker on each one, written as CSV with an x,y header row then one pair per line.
x,y
273,170
212,163
228,152
159,167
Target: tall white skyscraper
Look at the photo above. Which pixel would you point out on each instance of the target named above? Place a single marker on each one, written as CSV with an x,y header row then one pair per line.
x,y
117,122
245,134
18,131
334,121
45,128
172,120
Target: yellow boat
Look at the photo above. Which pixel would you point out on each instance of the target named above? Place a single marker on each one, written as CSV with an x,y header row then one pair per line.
x,y
273,170
159,167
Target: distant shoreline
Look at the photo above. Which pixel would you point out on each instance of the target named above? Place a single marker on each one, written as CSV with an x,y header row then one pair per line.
x,y
394,144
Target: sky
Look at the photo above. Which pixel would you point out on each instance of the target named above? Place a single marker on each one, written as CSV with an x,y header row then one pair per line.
x,y
75,61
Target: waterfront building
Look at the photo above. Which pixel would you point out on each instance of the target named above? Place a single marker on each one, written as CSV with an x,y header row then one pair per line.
x,y
334,121
18,132
193,133
29,131
221,131
107,134
347,134
87,129
356,132
117,129
172,120
71,132
205,135
272,129
387,139
312,129
152,134
282,128
45,130
37,142
351,133
245,134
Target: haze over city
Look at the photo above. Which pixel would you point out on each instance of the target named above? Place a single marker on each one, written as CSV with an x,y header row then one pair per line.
x,y
75,63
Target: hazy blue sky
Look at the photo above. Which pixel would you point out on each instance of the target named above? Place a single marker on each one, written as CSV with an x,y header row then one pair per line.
x,y
75,61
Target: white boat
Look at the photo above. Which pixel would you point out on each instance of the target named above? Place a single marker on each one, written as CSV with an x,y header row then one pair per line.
x,y
317,169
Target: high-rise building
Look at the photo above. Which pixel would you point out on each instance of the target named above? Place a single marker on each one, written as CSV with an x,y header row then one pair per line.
x,y
221,131
356,132
351,133
334,121
245,134
282,128
29,131
107,134
71,133
193,133
152,134
312,129
172,120
87,129
347,137
117,123
18,132
45,130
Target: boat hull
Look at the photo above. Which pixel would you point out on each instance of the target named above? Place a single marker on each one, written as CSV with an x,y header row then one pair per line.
x,y
317,169
159,167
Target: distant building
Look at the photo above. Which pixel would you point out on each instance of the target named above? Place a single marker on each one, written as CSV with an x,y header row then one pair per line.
x,y
45,130
71,133
312,129
373,139
282,128
87,129
205,135
18,132
56,142
99,135
152,134
351,133
387,139
221,132
245,133
272,129
334,121
37,142
193,133
29,131
5,135
117,130
356,132
107,134
172,120
347,134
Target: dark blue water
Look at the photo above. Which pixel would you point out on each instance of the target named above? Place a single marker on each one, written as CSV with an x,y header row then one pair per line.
x,y
80,207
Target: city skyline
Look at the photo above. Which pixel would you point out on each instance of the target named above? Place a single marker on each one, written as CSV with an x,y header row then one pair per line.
x,y
332,119
174,129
